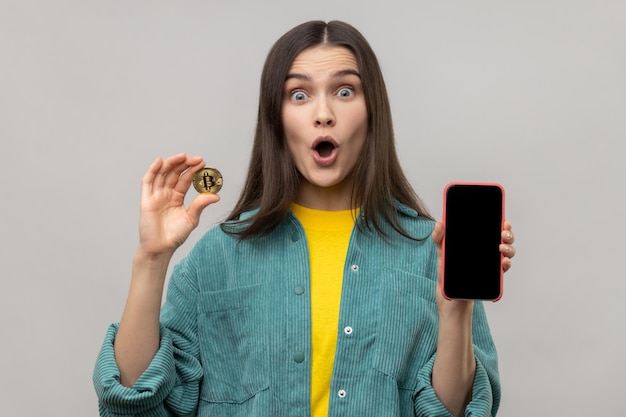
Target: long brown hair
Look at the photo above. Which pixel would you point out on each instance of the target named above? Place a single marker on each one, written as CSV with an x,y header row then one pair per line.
x,y
272,181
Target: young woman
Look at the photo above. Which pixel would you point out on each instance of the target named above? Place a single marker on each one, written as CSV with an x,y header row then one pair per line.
x,y
319,294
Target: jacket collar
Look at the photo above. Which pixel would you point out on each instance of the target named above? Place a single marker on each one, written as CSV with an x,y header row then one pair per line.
x,y
400,207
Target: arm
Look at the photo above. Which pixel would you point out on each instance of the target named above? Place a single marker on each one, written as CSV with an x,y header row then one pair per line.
x,y
455,367
138,335
165,223
454,370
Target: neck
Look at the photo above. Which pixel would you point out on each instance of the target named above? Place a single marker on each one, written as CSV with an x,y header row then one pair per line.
x,y
332,198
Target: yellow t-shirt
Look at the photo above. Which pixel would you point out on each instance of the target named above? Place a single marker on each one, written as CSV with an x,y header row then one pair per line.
x,y
328,234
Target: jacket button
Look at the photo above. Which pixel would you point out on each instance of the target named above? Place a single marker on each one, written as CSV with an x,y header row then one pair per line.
x,y
342,393
295,236
298,289
298,357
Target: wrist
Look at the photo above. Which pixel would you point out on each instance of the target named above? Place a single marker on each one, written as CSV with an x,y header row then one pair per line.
x,y
150,269
456,310
143,255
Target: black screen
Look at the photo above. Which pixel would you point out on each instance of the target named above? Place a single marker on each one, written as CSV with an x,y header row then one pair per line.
x,y
472,259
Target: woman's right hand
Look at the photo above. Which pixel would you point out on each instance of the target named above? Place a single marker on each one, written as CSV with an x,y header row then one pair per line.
x,y
165,222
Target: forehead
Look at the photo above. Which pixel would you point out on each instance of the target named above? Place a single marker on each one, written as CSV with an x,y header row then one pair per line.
x,y
323,58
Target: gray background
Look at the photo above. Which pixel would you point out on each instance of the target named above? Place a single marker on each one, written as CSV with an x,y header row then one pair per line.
x,y
527,93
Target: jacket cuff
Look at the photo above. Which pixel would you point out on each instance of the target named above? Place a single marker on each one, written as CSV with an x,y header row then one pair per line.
x,y
427,404
151,388
482,394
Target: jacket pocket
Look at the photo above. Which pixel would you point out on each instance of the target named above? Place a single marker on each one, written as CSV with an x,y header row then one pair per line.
x,y
233,345
406,335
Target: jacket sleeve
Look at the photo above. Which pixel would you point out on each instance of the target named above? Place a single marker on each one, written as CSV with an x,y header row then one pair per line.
x,y
170,385
486,388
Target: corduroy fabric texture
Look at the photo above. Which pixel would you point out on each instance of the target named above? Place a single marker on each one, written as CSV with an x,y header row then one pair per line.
x,y
235,325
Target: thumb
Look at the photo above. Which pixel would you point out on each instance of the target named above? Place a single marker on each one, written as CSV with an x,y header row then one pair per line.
x,y
437,234
201,202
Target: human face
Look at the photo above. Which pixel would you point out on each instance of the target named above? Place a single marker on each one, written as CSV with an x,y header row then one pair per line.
x,y
325,123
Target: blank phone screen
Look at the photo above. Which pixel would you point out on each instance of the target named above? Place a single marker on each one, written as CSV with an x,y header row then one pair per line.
x,y
473,219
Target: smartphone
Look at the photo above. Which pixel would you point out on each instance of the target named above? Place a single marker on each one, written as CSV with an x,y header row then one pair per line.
x,y
473,217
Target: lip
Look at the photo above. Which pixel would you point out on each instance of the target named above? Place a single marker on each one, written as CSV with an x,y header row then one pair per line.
x,y
325,160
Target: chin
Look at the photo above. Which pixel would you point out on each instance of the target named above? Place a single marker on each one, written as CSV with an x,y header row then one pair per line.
x,y
329,183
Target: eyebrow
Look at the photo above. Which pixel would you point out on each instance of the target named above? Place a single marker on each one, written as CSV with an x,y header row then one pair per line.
x,y
337,74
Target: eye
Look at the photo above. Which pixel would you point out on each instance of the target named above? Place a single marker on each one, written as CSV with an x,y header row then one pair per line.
x,y
345,92
299,96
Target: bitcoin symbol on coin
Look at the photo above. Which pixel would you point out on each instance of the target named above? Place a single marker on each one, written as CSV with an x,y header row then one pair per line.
x,y
208,180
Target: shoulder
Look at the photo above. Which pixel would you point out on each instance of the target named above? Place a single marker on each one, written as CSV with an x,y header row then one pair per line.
x,y
224,239
414,224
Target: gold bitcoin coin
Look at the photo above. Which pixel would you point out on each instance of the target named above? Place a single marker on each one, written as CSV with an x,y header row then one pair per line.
x,y
208,180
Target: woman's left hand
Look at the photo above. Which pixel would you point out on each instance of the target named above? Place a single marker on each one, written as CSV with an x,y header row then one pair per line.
x,y
454,369
506,248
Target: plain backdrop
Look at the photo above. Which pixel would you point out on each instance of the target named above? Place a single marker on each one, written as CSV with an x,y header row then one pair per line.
x,y
531,94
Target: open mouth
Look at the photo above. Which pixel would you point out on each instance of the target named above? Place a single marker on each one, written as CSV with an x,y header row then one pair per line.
x,y
324,148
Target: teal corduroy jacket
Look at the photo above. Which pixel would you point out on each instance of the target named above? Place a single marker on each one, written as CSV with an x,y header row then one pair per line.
x,y
236,332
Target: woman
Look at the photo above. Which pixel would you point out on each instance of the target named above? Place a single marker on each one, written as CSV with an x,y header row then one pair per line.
x,y
318,295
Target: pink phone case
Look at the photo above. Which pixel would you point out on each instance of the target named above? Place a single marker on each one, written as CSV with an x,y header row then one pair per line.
x,y
443,244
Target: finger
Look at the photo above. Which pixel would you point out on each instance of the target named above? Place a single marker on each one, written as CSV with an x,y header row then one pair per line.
x,y
168,165
506,264
199,203
148,179
173,176
186,178
507,233
507,250
508,236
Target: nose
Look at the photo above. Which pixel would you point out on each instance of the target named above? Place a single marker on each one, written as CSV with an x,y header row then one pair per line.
x,y
324,116
325,121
